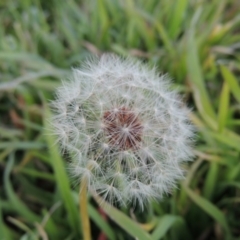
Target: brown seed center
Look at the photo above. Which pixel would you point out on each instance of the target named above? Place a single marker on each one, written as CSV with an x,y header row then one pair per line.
x,y
122,128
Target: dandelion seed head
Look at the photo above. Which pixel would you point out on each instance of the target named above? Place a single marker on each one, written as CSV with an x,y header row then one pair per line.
x,y
125,130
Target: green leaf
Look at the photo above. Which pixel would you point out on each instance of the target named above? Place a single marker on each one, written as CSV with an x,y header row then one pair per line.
x,y
223,107
232,82
160,28
165,223
211,180
122,220
4,231
36,174
52,227
22,145
201,96
103,225
229,138
209,208
177,17
61,177
230,184
19,206
23,227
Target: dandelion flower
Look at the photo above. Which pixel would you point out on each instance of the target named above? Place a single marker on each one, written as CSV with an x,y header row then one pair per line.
x,y
126,130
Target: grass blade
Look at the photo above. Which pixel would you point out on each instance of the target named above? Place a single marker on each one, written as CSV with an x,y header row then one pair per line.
x,y
165,223
61,177
177,17
123,221
194,70
103,225
22,145
232,82
4,231
20,207
209,208
223,107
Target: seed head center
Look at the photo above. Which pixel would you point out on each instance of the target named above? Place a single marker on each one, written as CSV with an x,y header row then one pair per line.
x,y
123,128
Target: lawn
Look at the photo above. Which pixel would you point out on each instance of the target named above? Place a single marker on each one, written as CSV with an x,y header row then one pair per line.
x,y
197,43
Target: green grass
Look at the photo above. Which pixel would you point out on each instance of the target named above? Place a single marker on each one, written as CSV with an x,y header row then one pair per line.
x,y
195,42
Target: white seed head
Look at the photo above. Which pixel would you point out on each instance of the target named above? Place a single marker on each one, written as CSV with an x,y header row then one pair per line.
x,y
126,131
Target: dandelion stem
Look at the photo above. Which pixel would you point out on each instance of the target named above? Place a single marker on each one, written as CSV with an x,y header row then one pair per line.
x,y
83,210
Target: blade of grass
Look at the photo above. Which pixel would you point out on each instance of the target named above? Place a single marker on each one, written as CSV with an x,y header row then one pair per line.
x,y
201,96
211,180
177,17
103,225
23,227
4,231
232,82
28,78
36,61
37,174
10,133
165,223
22,145
229,138
160,29
223,107
51,226
209,208
122,220
18,206
61,177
